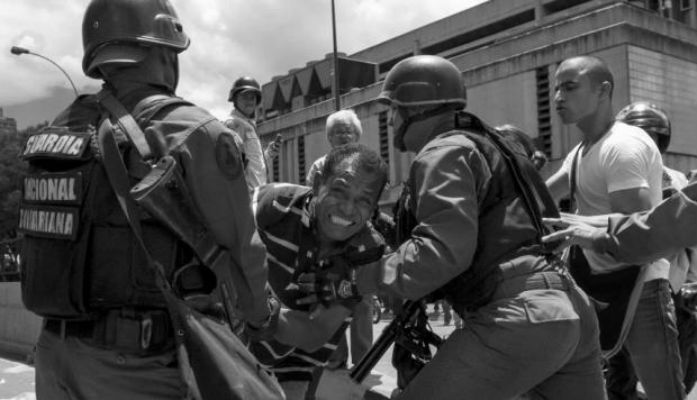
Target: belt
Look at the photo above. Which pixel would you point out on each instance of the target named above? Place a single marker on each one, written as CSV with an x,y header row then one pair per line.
x,y
512,287
79,329
124,330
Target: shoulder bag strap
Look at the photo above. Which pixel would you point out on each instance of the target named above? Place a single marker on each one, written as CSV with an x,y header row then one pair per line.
x,y
126,122
118,177
572,177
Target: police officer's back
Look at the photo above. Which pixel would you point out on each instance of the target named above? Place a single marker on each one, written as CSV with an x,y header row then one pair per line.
x,y
107,333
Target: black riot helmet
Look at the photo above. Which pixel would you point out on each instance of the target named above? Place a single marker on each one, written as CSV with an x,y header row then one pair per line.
x,y
425,81
650,118
243,84
118,31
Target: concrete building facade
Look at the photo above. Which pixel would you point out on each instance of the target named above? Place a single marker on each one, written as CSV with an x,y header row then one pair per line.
x,y
508,51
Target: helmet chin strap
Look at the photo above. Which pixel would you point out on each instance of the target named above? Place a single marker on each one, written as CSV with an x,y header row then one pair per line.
x,y
402,130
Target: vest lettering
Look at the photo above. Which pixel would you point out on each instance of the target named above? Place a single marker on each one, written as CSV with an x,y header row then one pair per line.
x,y
52,192
63,142
30,144
42,222
60,222
38,144
53,188
68,225
43,189
75,148
46,144
54,222
63,193
32,222
51,222
50,141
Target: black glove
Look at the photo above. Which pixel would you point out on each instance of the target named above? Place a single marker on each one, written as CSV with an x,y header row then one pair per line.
x,y
327,288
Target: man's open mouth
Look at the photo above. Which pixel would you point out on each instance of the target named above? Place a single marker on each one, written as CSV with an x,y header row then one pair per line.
x,y
340,221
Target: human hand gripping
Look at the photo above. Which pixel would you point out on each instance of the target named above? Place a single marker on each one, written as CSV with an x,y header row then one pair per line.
x,y
570,231
324,288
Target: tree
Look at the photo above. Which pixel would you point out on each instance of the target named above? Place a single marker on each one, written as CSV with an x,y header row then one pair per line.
x,y
12,168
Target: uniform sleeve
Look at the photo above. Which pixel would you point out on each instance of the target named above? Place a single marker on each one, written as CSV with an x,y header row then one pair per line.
x,y
255,171
256,165
442,245
666,229
213,170
626,163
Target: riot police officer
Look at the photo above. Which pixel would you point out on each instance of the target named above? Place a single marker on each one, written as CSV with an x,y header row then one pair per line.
x,y
107,333
470,229
245,94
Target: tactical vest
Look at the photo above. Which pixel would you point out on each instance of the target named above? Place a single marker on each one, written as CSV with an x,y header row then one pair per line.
x,y
508,243
79,257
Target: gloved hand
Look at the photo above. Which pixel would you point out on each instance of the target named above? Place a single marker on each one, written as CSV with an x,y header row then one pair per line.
x,y
326,288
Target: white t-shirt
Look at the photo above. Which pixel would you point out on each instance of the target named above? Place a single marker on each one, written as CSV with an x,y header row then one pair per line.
x,y
624,158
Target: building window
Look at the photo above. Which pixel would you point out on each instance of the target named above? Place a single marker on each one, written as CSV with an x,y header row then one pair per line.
x,y
301,159
544,115
384,137
277,169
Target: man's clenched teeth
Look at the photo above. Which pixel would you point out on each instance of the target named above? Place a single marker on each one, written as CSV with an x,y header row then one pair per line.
x,y
340,221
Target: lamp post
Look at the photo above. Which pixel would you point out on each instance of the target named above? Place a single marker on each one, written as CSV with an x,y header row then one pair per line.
x,y
337,104
18,51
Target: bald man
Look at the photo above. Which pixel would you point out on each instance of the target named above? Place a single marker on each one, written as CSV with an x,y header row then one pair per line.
x,y
617,168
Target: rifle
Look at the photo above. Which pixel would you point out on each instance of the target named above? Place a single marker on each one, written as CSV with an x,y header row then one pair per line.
x,y
400,329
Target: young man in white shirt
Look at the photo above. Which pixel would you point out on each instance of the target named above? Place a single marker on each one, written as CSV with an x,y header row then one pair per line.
x,y
618,169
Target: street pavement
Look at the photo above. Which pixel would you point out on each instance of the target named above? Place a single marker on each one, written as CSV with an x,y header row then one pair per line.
x,y
17,379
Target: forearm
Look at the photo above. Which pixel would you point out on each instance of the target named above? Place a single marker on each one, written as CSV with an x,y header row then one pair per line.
x,y
666,229
597,221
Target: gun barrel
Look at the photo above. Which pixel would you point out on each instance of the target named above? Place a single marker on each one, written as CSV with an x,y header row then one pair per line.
x,y
362,369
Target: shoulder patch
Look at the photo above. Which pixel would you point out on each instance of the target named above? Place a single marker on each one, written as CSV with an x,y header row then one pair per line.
x,y
228,156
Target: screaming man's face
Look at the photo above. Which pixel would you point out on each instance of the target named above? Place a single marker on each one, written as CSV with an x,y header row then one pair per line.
x,y
346,201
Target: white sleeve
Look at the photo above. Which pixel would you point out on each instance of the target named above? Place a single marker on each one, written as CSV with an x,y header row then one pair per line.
x,y
625,161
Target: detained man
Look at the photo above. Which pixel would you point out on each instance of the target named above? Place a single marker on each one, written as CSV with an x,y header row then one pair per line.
x,y
322,231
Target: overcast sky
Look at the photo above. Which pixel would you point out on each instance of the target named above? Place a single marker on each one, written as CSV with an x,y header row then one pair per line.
x,y
229,38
